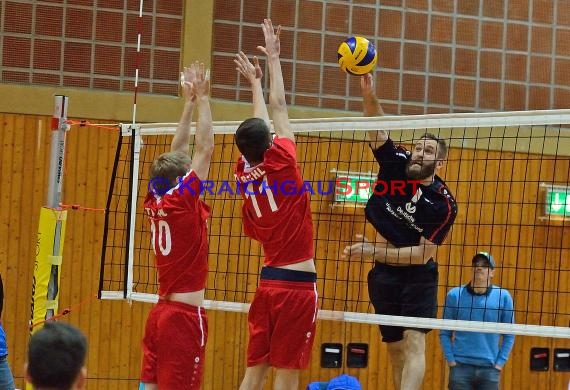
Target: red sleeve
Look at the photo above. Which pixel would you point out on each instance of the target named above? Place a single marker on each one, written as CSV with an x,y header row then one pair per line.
x,y
287,144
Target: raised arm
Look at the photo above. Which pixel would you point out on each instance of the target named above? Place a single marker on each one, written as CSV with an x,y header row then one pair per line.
x,y
181,140
204,139
277,89
253,74
371,107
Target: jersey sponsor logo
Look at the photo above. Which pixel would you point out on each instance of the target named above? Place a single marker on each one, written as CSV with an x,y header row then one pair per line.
x,y
410,206
401,214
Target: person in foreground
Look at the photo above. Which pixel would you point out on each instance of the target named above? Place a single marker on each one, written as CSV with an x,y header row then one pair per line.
x,y
56,358
476,359
6,378
411,221
177,328
282,316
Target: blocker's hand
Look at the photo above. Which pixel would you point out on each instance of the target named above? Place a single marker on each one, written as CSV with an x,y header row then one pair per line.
x,y
201,85
187,79
272,42
248,70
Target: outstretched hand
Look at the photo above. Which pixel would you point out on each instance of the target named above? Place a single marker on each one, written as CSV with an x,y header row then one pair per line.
x,y
367,84
187,78
272,42
248,70
201,84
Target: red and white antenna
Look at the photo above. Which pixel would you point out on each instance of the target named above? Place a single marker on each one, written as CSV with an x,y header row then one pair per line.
x,y
137,59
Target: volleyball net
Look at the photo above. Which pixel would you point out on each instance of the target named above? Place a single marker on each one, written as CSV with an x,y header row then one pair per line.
x,y
509,173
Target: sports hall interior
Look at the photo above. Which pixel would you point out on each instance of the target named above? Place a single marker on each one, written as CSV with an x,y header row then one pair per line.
x,y
434,57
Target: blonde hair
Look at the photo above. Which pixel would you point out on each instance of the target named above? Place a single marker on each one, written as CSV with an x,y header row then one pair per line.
x,y
170,166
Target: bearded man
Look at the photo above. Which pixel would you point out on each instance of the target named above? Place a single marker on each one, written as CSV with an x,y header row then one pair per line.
x,y
411,222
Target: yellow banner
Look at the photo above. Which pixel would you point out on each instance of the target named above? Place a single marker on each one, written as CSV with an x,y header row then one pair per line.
x,y
51,222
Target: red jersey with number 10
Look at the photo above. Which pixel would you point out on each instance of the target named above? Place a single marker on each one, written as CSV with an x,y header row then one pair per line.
x,y
179,236
276,208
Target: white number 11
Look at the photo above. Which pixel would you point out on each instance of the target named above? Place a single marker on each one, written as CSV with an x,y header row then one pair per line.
x,y
267,190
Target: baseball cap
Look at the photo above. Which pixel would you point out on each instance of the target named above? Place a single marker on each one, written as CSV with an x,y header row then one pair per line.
x,y
342,382
485,256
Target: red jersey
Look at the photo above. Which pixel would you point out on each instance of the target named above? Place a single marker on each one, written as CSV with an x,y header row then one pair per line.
x,y
179,236
276,209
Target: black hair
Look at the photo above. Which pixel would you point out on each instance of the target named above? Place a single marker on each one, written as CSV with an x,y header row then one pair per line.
x,y
253,138
56,355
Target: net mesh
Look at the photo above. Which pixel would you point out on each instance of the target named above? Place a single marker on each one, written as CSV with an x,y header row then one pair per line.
x,y
507,171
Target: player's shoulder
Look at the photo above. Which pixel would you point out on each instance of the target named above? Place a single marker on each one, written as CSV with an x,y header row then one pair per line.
x,y
283,141
283,148
501,291
454,294
285,144
442,192
390,147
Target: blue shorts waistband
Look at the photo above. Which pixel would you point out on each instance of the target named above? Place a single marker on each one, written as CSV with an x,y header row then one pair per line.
x,y
431,263
273,273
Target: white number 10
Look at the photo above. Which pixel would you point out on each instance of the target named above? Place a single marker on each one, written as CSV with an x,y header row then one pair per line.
x,y
250,195
163,231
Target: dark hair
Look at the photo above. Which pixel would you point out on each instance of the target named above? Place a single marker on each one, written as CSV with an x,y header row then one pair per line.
x,y
441,145
253,139
56,355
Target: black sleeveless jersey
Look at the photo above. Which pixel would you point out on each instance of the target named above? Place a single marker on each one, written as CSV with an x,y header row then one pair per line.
x,y
403,216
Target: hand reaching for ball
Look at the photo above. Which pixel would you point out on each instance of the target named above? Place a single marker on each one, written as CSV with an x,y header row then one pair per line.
x,y
248,70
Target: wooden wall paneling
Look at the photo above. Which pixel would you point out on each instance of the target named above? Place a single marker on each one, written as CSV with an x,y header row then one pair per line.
x,y
21,235
435,373
9,250
100,176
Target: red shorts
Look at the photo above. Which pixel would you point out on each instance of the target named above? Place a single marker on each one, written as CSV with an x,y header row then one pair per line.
x,y
282,322
173,346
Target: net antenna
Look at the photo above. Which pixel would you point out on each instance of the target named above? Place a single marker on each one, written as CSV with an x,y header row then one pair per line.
x,y
512,153
59,129
137,61
136,145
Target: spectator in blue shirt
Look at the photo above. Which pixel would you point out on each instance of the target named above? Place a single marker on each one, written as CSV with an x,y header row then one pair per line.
x,y
476,359
6,379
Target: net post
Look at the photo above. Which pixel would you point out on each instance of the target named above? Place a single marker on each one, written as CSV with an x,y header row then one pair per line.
x,y
59,128
51,229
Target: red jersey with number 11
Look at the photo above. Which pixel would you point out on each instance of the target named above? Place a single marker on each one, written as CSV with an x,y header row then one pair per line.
x,y
179,236
276,208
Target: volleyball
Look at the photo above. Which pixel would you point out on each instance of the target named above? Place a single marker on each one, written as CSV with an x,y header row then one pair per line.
x,y
357,56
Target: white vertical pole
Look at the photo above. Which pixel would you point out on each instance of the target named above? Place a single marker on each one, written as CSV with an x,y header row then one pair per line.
x,y
57,156
58,129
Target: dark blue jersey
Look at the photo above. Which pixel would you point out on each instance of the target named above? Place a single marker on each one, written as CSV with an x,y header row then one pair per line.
x,y
402,211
